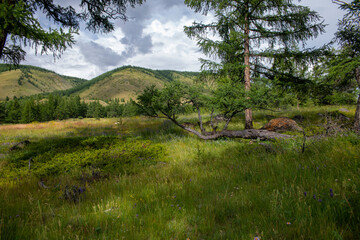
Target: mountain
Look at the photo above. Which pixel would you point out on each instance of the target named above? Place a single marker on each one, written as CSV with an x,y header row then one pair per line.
x,y
30,80
126,82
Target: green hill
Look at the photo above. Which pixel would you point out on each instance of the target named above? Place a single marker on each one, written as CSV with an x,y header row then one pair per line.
x,y
126,82
29,80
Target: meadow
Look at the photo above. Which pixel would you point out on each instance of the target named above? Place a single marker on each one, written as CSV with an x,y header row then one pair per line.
x,y
143,178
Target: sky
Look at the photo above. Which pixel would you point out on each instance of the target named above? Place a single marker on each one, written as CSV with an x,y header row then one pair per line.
x,y
152,38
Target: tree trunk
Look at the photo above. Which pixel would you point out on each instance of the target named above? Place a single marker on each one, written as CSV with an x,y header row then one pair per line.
x,y
3,36
246,134
248,112
357,113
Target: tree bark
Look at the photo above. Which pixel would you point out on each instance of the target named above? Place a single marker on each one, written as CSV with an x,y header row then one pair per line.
x,y
357,113
246,134
3,36
248,112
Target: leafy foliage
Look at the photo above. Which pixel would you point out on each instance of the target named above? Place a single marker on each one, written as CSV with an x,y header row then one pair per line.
x,y
27,30
20,27
228,99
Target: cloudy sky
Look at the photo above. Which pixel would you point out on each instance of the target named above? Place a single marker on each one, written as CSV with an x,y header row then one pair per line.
x,y
152,38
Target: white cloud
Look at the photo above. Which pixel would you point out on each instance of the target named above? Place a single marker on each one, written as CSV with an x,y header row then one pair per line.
x,y
154,38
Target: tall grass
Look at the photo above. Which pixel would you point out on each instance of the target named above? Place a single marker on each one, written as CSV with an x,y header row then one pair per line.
x,y
225,189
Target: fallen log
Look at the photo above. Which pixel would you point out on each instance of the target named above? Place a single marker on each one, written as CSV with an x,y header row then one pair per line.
x,y
246,134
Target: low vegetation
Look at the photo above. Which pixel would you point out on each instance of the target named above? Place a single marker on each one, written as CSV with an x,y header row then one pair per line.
x,y
141,178
30,80
125,82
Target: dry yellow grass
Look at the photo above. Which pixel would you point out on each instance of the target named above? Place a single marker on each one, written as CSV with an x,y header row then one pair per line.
x,y
123,85
37,82
126,84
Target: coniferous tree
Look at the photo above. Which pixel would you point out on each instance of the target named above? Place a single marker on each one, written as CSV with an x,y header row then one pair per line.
x,y
95,110
114,109
13,111
264,29
20,27
2,112
348,36
30,111
62,110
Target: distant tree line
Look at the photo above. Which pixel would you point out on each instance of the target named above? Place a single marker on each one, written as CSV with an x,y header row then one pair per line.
x,y
55,107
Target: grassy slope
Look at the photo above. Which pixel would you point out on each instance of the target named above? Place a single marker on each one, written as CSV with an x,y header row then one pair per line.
x,y
30,80
124,84
225,189
127,82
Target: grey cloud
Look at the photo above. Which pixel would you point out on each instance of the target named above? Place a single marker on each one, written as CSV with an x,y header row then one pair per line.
x,y
139,17
135,41
100,56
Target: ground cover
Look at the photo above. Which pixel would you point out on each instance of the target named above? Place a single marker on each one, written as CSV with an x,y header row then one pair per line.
x,y
142,178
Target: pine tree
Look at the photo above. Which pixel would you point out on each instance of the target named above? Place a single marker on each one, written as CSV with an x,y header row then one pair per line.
x,y
264,29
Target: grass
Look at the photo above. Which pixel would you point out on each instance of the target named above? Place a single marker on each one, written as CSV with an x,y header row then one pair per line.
x,y
125,83
190,189
38,81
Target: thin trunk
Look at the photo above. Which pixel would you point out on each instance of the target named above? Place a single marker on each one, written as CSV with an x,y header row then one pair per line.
x,y
357,113
3,36
212,121
200,118
248,112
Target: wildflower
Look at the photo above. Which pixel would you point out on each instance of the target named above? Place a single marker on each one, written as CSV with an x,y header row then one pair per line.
x,y
331,193
305,194
256,238
82,189
314,197
288,223
320,200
